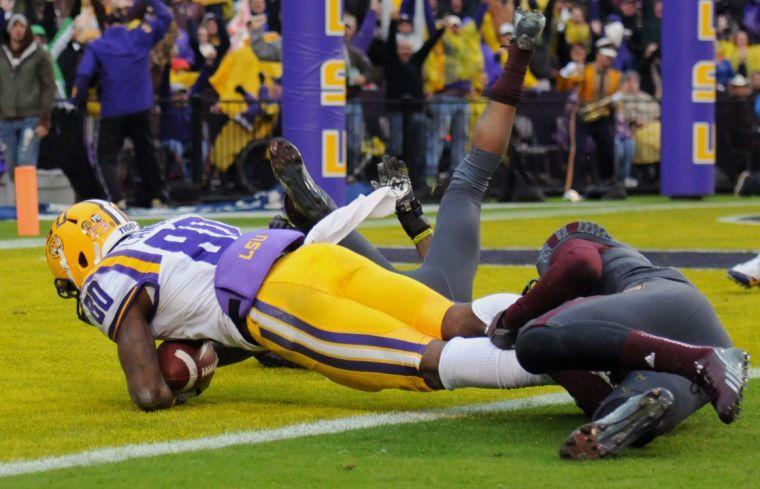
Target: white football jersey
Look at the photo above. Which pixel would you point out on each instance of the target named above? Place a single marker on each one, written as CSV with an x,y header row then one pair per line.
x,y
175,261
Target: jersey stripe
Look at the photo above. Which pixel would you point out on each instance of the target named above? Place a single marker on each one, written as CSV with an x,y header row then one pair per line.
x,y
135,268
113,330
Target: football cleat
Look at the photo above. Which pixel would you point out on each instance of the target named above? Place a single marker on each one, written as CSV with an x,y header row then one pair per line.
x,y
528,27
746,274
633,420
723,375
305,202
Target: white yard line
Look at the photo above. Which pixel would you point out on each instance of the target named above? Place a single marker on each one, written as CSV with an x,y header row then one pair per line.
x,y
326,427
21,243
494,212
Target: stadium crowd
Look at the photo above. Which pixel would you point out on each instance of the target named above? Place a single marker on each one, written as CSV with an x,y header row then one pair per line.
x,y
78,77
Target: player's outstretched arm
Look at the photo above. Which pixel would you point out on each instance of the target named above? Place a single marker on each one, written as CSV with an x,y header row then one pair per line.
x,y
137,354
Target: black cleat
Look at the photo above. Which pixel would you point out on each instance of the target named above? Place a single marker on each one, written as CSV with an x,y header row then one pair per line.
x,y
305,202
633,420
723,374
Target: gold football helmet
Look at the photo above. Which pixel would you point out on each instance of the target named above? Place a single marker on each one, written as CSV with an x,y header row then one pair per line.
x,y
79,238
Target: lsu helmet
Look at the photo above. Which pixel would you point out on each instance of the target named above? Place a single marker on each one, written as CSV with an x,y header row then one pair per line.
x,y
79,239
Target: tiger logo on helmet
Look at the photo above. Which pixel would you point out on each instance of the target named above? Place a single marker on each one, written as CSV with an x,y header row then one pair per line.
x,y
79,239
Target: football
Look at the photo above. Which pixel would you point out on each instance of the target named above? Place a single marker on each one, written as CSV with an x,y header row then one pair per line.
x,y
187,365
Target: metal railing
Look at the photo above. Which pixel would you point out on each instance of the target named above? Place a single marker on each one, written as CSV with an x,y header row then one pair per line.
x,y
219,147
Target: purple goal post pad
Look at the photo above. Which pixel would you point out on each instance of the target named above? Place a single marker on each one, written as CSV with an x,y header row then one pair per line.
x,y
244,265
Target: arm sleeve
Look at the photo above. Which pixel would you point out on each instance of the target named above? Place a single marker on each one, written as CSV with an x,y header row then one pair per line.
x,y
480,14
424,51
429,18
87,69
48,20
593,11
161,23
390,43
47,88
224,40
363,37
266,51
107,295
575,266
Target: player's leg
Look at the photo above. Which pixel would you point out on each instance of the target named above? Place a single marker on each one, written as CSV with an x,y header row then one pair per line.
x,y
686,400
110,140
455,250
598,334
306,314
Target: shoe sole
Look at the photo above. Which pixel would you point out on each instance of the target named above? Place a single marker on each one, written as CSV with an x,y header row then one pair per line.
x,y
744,280
308,203
588,443
730,416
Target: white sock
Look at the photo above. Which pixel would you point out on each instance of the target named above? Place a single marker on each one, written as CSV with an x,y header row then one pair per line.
x,y
476,362
488,307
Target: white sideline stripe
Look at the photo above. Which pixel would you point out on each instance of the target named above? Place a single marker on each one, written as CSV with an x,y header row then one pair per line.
x,y
326,427
21,243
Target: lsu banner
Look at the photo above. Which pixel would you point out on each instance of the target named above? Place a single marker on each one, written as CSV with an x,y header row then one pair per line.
x,y
314,88
688,99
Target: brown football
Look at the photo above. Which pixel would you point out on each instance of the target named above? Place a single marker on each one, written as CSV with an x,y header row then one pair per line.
x,y
187,365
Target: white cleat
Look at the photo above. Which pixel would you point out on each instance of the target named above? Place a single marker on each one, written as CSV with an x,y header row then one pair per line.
x,y
572,196
746,274
528,27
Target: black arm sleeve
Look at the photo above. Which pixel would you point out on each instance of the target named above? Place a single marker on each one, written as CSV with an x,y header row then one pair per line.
x,y
422,54
48,20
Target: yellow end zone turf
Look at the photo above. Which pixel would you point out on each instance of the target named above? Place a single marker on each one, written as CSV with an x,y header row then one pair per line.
x,y
63,390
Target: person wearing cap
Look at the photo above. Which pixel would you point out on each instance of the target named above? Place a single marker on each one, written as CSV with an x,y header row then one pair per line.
x,y
737,128
27,93
598,82
121,60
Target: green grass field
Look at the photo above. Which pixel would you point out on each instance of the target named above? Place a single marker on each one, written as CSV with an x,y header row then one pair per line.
x,y
64,393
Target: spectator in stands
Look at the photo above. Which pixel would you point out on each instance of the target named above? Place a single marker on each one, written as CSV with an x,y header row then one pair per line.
x,y
737,127
723,70
594,86
756,92
213,42
266,50
744,57
651,23
577,30
616,33
360,37
458,69
358,72
27,93
120,60
187,14
405,96
634,109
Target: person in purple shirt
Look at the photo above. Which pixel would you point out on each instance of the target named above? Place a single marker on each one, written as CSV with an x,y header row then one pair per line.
x,y
121,61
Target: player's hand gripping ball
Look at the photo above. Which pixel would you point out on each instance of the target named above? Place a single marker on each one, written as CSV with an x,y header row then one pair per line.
x,y
187,366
